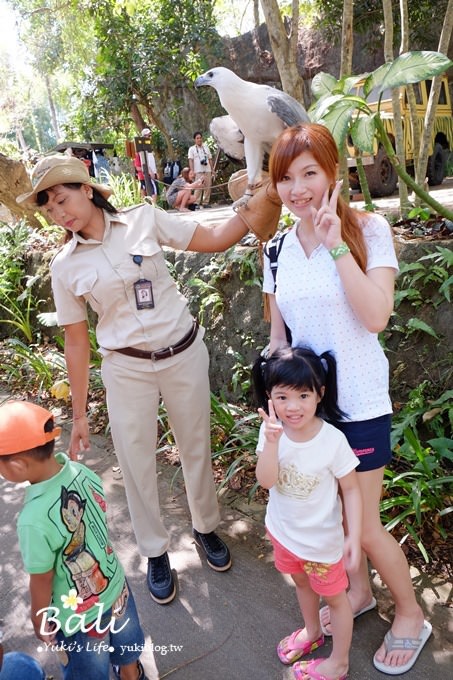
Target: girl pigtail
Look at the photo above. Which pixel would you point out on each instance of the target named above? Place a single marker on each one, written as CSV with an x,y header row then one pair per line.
x,y
259,383
329,402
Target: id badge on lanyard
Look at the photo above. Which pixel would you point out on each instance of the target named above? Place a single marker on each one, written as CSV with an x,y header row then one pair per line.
x,y
143,288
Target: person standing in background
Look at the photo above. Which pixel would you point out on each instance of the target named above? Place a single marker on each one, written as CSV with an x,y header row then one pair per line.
x,y
145,161
200,162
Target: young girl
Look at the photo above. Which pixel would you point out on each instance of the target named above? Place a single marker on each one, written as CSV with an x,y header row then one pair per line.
x,y
334,290
301,460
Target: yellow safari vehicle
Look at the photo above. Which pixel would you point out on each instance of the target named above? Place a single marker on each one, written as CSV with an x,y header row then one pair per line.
x,y
381,175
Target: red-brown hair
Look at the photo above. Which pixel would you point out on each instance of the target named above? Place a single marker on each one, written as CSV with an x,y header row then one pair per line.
x,y
318,140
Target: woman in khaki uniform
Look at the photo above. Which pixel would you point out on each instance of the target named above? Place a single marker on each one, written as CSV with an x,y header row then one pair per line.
x,y
151,346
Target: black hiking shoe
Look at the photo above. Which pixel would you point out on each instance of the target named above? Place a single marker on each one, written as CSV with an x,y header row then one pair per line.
x,y
160,579
217,553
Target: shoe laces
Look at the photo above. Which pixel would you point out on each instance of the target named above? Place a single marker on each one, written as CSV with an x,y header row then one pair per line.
x,y
159,568
213,541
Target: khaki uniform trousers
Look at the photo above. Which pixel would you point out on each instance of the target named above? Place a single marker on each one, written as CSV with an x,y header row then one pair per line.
x,y
134,387
203,196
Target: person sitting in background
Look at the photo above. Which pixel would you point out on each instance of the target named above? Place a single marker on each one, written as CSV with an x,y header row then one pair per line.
x,y
180,192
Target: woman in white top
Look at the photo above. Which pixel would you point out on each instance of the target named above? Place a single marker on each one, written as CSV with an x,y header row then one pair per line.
x,y
334,291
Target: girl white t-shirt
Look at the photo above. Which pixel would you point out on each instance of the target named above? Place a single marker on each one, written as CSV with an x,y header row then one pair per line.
x,y
304,512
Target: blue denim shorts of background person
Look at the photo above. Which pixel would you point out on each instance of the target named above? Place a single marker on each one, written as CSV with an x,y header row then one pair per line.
x,y
18,666
85,656
370,441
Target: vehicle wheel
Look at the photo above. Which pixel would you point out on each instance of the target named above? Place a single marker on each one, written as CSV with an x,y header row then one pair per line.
x,y
436,166
381,176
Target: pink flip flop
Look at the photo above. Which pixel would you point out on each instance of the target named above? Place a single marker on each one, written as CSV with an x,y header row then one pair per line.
x,y
304,670
289,644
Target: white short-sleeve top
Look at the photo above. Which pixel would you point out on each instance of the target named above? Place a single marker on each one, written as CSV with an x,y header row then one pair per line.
x,y
304,512
313,304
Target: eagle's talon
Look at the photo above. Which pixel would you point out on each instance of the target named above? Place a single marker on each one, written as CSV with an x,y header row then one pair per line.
x,y
242,202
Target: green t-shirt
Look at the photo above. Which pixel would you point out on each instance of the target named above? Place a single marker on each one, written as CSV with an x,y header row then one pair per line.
x,y
63,527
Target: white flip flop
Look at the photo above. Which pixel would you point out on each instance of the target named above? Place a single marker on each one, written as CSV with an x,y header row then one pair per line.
x,y
416,644
367,608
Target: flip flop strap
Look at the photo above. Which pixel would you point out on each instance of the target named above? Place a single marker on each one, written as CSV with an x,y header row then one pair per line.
x,y
393,643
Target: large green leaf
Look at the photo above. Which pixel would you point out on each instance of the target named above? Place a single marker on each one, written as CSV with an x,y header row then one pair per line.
x,y
326,103
329,102
337,119
323,84
363,133
350,82
410,67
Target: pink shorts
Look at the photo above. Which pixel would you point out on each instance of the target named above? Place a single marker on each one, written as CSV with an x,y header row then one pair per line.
x,y
324,579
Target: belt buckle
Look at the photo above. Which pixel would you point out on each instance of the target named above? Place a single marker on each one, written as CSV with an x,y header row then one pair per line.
x,y
163,353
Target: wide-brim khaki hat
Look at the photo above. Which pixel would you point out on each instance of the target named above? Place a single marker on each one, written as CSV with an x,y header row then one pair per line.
x,y
59,169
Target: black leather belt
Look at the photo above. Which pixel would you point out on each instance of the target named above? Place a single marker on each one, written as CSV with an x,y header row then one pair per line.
x,y
165,352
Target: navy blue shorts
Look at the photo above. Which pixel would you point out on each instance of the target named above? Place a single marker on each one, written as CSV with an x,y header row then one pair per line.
x,y
370,441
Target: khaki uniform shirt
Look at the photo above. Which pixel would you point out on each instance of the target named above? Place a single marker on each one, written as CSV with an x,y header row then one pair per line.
x,y
103,273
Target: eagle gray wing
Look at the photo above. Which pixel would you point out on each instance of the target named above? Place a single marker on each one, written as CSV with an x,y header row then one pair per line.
x,y
287,109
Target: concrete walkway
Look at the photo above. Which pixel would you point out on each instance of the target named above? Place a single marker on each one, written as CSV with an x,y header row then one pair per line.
x,y
388,206
221,626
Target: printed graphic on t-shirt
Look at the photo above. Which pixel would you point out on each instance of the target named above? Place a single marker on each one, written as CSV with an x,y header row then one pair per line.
x,y
82,564
293,482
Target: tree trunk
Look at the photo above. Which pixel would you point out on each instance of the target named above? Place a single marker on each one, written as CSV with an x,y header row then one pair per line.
x,y
256,14
412,104
13,182
444,42
284,46
347,41
399,135
53,113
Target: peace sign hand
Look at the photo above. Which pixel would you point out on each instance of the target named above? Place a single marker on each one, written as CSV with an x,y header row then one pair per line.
x,y
326,223
273,429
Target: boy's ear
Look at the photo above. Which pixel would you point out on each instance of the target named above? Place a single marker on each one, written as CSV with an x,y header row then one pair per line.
x,y
19,465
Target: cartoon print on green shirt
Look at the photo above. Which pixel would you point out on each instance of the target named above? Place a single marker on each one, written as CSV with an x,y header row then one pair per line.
x,y
85,571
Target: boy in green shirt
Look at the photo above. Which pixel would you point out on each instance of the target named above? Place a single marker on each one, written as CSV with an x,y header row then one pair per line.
x,y
80,601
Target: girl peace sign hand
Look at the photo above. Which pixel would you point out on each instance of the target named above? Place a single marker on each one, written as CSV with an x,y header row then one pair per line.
x,y
273,429
326,223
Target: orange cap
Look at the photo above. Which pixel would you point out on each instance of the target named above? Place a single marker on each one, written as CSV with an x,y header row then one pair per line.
x,y
22,427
